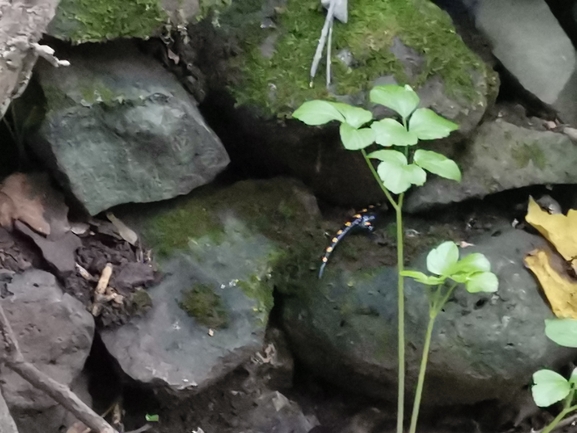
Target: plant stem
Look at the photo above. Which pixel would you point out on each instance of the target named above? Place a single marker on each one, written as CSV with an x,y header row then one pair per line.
x,y
437,301
422,370
401,315
398,206
558,419
379,181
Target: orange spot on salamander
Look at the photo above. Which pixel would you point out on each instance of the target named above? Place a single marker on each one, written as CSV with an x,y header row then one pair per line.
x,y
334,240
348,224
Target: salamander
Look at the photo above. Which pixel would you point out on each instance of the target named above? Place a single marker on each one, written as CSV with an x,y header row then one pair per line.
x,y
364,220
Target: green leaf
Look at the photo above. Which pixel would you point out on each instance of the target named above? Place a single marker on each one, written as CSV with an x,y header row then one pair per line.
x,y
428,125
389,155
356,139
549,388
318,113
389,132
472,263
428,280
354,116
562,331
482,282
460,278
416,174
403,100
396,174
573,377
442,259
437,164
151,418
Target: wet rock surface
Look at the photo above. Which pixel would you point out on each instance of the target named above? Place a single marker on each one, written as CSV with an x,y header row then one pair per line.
x,y
211,308
118,129
485,346
500,157
55,334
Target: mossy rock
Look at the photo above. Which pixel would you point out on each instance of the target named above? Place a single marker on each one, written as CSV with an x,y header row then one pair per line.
x,y
222,251
389,41
80,21
412,42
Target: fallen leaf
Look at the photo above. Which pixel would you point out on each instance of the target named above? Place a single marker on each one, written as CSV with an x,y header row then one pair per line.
x,y
127,234
27,204
560,289
35,203
559,229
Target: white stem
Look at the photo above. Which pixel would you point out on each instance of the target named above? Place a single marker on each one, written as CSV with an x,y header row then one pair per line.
x,y
322,40
329,42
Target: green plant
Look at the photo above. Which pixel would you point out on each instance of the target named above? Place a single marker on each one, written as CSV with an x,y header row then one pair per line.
x,y
397,170
474,271
550,387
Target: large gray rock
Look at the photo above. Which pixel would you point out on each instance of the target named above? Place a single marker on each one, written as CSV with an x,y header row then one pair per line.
x,y
528,40
221,251
55,334
119,128
269,78
484,346
6,422
501,156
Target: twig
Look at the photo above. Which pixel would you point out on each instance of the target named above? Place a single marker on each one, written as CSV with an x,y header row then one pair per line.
x,y
329,42
11,355
322,41
99,292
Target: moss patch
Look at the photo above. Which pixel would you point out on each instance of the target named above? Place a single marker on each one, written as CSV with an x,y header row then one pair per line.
x,y
271,208
525,153
256,288
204,305
96,21
281,83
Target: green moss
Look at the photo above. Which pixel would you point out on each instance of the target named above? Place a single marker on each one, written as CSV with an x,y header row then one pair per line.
x,y
207,7
204,305
100,20
97,92
56,98
527,152
268,207
173,228
281,83
255,287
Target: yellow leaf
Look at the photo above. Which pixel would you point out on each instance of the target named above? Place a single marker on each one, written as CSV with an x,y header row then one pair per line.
x,y
558,229
560,289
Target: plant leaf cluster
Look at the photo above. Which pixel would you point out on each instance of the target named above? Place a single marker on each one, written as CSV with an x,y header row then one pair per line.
x,y
359,131
474,270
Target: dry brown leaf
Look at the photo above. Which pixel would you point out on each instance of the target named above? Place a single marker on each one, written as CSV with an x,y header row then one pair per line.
x,y
28,206
127,234
559,229
560,289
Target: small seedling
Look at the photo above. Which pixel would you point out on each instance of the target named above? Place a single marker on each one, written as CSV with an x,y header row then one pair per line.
x,y
397,170
550,387
474,271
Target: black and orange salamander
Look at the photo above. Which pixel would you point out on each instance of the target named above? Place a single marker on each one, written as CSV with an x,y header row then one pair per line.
x,y
364,220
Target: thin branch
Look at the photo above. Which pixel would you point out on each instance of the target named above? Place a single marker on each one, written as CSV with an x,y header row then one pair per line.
x,y
11,355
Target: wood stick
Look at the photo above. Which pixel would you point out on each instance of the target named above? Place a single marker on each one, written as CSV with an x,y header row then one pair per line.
x,y
11,355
